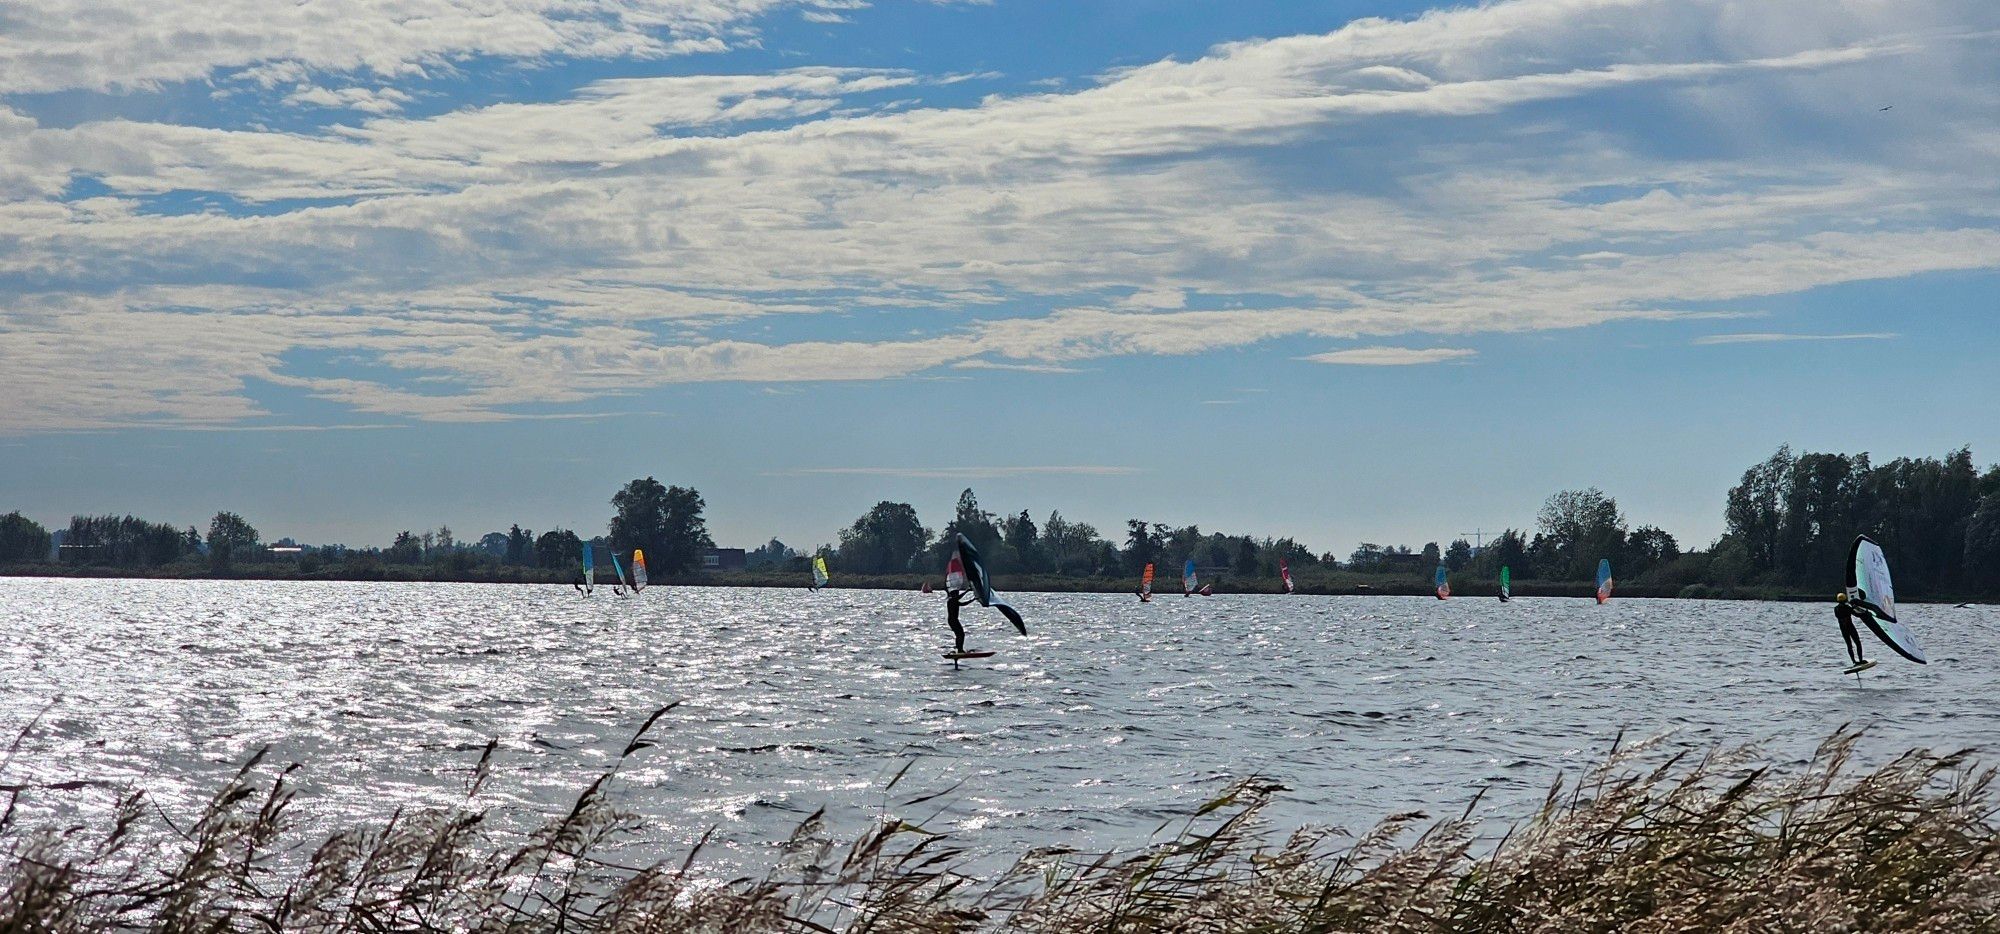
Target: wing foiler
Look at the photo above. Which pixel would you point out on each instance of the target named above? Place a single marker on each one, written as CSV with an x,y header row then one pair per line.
x,y
974,576
1869,587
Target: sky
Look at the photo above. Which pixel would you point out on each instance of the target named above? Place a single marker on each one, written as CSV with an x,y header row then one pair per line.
x,y
1343,271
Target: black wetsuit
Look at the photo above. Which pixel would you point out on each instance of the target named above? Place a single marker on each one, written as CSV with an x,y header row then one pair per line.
x,y
578,584
1845,614
952,601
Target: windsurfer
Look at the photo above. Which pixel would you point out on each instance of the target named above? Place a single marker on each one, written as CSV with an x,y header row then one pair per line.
x,y
953,599
1845,612
578,584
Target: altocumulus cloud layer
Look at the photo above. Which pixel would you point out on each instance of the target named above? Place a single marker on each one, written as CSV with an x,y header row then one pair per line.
x,y
1527,165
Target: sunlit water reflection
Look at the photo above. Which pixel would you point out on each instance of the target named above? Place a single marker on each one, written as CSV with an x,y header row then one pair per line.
x,y
1111,717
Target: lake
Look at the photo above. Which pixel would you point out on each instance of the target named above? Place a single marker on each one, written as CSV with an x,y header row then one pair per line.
x,y
1109,718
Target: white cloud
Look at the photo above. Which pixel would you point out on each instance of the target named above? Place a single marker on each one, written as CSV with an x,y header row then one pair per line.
x,y
1391,178
1787,338
1392,356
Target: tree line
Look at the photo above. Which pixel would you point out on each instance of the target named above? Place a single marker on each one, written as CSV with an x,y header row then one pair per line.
x,y
1788,524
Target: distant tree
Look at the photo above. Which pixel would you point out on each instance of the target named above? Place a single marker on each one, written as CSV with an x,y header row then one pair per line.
x,y
1982,546
408,548
1024,540
229,538
974,523
559,548
1246,557
1142,545
1752,513
771,553
666,521
1578,527
1649,547
520,545
495,544
22,540
886,539
1073,547
1507,550
1459,555
445,542
1431,555
1366,559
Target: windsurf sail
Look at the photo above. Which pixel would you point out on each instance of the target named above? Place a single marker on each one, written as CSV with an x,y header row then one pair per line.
x,y
589,571
1285,571
820,576
1146,583
1443,583
1506,583
973,575
1604,581
1869,587
1189,583
617,574
638,570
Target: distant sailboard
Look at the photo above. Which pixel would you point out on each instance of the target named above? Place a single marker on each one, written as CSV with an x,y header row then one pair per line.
x,y
1189,582
1146,585
820,577
638,570
1506,584
1604,581
1285,571
1869,587
1443,583
617,574
589,571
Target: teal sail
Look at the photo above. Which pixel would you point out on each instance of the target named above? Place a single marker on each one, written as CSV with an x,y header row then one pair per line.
x,y
618,572
1870,588
1506,583
589,570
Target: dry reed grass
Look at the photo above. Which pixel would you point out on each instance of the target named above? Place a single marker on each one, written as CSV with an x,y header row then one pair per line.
x,y
1697,843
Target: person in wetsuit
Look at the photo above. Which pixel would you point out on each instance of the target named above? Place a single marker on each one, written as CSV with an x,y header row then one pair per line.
x,y
578,584
953,599
1845,612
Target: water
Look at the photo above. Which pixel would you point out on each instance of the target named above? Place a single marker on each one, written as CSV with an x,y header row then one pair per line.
x,y
1110,718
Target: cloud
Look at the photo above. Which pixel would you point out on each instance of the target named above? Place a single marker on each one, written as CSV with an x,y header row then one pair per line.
x,y
1785,338
1391,356
967,473
1464,172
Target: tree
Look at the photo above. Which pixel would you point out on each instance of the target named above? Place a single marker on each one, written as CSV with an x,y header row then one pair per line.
x,y
520,545
1752,513
22,540
773,552
1432,557
1982,546
1142,545
1246,557
559,548
1073,547
886,539
495,543
1578,527
1649,547
1021,536
406,549
665,521
229,537
1366,559
1459,555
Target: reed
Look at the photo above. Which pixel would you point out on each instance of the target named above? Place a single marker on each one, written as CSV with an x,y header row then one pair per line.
x,y
1712,842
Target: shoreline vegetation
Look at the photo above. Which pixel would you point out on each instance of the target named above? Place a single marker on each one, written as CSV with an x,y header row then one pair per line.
x,y
1788,524
1646,842
1340,585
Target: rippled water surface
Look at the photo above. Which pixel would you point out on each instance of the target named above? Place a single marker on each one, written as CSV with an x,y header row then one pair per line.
x,y
1111,717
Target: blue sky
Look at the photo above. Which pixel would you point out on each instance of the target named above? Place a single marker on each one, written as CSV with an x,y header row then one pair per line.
x,y
1340,271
